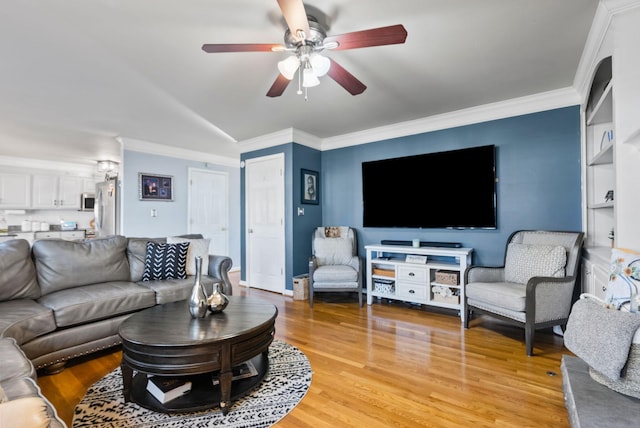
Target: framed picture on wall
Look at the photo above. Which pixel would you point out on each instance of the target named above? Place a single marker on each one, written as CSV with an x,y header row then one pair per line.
x,y
310,187
154,187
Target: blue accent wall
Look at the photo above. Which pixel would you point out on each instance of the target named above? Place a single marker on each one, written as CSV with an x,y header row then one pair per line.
x,y
537,166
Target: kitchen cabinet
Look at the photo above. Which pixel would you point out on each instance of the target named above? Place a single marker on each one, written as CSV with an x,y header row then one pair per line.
x,y
88,185
15,190
56,192
67,235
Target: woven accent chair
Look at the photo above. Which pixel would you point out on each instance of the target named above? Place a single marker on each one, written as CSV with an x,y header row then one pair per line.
x,y
334,265
535,286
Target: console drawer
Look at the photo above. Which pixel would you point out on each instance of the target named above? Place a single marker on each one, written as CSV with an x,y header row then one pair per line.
x,y
412,273
411,291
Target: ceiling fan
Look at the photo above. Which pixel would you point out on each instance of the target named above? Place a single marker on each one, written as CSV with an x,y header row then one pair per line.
x,y
306,38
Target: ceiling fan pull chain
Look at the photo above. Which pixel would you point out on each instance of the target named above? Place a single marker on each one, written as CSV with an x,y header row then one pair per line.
x,y
299,82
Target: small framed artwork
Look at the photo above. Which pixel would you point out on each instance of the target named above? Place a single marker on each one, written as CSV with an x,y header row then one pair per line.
x,y
154,187
310,187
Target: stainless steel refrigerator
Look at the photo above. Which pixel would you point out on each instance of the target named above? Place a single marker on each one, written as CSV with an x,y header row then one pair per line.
x,y
107,208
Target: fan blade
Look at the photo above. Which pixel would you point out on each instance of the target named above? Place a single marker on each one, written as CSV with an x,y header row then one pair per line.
x,y
278,86
345,79
392,35
296,17
240,47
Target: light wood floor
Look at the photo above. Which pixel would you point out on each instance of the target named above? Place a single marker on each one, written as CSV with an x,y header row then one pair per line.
x,y
391,364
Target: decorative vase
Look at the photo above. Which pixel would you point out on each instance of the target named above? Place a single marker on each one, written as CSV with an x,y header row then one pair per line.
x,y
198,299
217,301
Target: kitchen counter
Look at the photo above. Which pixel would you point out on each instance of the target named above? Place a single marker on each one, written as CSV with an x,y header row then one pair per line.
x,y
7,236
70,235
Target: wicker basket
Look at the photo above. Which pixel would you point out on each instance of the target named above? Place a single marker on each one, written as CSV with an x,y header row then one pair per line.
x,y
301,287
455,300
448,277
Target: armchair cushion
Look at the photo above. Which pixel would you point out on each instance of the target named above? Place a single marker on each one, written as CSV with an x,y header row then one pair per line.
x,y
335,273
333,251
525,261
506,295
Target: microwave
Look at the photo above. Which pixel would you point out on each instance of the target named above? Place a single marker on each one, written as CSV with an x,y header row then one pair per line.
x,y
87,201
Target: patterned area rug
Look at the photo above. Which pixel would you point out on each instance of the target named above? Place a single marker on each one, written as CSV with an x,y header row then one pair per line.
x,y
285,384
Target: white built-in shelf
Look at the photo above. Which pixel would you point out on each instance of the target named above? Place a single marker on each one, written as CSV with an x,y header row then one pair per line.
x,y
602,111
608,204
604,156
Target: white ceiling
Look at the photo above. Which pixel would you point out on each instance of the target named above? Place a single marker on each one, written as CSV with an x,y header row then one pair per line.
x,y
76,74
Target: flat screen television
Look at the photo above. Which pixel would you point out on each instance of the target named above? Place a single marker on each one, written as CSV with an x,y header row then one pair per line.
x,y
451,189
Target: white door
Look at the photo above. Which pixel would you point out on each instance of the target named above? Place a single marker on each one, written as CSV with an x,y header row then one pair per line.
x,y
264,179
209,208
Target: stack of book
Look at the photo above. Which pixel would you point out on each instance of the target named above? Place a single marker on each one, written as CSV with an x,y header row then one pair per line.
x,y
241,371
165,388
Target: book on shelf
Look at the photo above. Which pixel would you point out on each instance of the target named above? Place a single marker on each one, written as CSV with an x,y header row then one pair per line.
x,y
165,388
241,371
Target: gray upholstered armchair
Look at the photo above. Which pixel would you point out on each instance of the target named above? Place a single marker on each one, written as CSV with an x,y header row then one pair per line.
x,y
334,265
534,288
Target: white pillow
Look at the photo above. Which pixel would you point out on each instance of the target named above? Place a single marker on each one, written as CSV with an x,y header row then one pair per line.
x,y
623,276
197,247
333,251
526,261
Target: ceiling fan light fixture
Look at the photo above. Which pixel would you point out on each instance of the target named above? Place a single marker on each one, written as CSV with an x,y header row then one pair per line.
x,y
320,64
289,66
309,79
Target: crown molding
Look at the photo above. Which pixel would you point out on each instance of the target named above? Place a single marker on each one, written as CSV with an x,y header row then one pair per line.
x,y
176,152
514,107
68,168
500,110
592,55
284,136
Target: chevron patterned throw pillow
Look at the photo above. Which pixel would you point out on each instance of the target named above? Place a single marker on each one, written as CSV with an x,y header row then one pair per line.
x,y
165,261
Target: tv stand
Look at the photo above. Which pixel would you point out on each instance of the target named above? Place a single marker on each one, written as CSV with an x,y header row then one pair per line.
x,y
391,276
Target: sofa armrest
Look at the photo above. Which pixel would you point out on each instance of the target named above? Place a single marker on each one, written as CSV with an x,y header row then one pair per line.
x,y
219,267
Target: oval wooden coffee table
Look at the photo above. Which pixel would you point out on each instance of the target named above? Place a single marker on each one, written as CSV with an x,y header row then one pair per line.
x,y
166,341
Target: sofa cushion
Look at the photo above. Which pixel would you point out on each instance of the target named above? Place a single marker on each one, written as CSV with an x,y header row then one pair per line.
x,y
165,261
24,320
81,305
28,412
137,254
64,264
17,272
525,261
172,290
197,247
26,387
